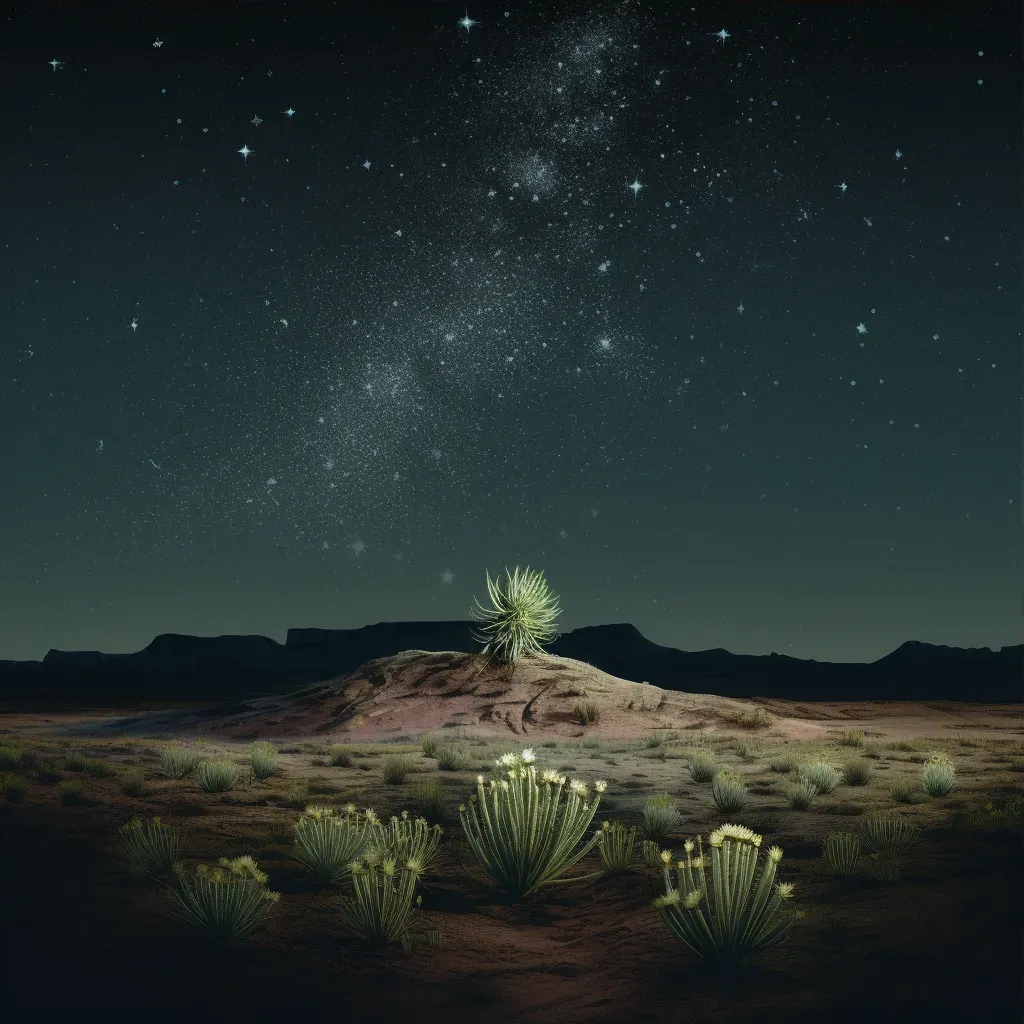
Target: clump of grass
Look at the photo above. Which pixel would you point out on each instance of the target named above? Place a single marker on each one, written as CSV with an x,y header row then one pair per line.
x,y
75,762
748,718
652,742
395,769
326,844
217,776
98,769
882,868
841,851
821,775
990,817
939,775
404,837
729,792
133,782
452,759
70,792
888,832
650,853
263,758
297,795
383,906
150,849
428,798
856,771
660,818
588,712
179,762
851,738
801,795
10,758
229,901
616,846
429,745
782,763
905,790
702,765
341,757
15,788
744,750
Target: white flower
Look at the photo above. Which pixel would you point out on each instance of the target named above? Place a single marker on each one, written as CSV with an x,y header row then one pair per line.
x,y
600,786
775,853
528,755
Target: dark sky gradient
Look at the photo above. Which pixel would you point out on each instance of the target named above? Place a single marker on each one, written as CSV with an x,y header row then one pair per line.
x,y
351,390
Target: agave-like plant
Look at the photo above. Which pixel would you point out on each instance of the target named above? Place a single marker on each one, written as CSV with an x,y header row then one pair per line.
x,y
383,904
521,835
404,839
326,844
736,922
151,848
230,900
521,619
616,845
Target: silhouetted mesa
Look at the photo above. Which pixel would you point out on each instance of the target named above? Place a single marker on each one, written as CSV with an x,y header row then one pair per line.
x,y
190,668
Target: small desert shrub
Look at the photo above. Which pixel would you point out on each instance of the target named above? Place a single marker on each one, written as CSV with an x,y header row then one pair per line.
x,y
888,833
452,759
429,745
150,849
906,791
75,762
660,818
749,718
340,757
326,844
404,838
297,795
616,845
383,906
15,788
10,758
428,798
395,769
702,766
801,795
882,869
821,775
939,775
652,742
650,853
264,760
841,851
588,712
856,771
217,776
851,738
133,782
70,792
729,792
98,769
1009,817
179,762
782,763
230,901
744,750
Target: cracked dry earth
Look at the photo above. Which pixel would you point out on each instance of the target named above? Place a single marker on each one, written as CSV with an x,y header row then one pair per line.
x,y
942,942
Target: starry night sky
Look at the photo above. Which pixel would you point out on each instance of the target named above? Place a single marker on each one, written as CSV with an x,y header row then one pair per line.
x,y
313,320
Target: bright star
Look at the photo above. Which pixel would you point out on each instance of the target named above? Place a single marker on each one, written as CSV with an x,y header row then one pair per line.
x,y
467,22
289,112
722,34
844,186
159,43
55,63
636,186
133,325
245,151
861,329
366,164
898,154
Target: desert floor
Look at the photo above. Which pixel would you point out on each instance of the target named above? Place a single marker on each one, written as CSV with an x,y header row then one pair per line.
x,y
942,941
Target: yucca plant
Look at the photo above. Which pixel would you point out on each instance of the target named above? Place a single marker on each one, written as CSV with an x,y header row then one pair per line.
x,y
736,921
888,833
263,758
230,901
404,837
660,818
857,771
939,775
382,909
616,845
905,790
217,776
151,848
520,833
650,853
133,782
179,762
521,620
325,844
15,787
801,795
729,792
702,765
452,759
821,775
841,851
